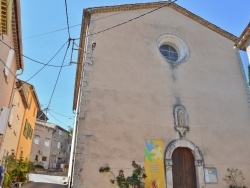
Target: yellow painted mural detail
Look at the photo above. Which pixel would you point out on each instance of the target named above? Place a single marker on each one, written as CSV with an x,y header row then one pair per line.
x,y
154,164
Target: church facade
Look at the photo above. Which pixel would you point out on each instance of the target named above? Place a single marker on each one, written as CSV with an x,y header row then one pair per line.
x,y
168,77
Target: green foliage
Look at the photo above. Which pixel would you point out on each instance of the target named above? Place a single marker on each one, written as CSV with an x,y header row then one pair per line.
x,y
17,170
235,178
38,166
135,180
71,130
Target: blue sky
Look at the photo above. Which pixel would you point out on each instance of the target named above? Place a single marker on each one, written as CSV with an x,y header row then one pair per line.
x,y
43,16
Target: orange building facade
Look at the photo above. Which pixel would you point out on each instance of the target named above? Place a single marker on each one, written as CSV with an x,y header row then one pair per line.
x,y
28,122
11,137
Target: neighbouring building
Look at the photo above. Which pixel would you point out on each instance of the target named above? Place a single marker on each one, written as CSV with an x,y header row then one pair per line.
x,y
28,121
11,137
166,90
60,148
243,43
10,59
41,146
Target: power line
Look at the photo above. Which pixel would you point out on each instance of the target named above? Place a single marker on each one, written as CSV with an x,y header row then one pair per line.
x,y
7,67
50,32
47,63
130,20
58,74
59,120
61,114
66,7
31,58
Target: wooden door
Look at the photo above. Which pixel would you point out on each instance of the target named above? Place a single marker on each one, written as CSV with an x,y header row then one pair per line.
x,y
184,175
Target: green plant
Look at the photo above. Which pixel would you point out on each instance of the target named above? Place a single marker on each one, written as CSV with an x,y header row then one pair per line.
x,y
235,178
16,170
135,180
38,166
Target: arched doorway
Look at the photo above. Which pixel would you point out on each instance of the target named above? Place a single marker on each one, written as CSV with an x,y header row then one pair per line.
x,y
184,175
199,163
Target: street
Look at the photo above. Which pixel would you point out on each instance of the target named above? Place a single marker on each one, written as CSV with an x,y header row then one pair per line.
x,y
45,181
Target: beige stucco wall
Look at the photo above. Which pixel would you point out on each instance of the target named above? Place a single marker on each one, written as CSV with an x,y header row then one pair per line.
x,y
6,85
130,92
12,134
45,134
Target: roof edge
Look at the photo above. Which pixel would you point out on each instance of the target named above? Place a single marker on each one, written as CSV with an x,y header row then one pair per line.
x,y
240,43
17,34
126,7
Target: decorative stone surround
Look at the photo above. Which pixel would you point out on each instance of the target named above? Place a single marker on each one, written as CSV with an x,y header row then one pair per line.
x,y
199,162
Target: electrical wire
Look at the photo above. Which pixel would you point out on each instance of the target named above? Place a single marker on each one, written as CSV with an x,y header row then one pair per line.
x,y
31,58
7,67
130,20
67,16
50,32
61,114
47,63
58,74
59,121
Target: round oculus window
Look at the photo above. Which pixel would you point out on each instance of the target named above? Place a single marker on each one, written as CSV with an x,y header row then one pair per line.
x,y
172,48
169,52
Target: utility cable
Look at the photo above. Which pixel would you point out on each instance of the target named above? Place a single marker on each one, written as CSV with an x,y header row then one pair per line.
x,y
7,67
31,58
61,114
66,7
59,74
47,63
59,120
50,32
130,20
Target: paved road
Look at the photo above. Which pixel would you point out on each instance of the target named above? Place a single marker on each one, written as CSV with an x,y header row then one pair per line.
x,y
46,178
43,185
45,181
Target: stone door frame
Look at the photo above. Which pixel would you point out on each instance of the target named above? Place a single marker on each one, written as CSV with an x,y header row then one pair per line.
x,y
199,162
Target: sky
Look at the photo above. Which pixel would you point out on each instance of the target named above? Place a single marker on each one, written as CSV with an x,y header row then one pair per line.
x,y
40,17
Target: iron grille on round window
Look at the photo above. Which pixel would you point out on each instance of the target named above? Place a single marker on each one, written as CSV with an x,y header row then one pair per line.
x,y
169,52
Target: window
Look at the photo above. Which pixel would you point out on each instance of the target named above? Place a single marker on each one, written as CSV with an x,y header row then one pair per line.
x,y
47,142
59,145
36,140
172,48
8,63
169,52
36,158
12,114
60,132
44,158
27,131
4,113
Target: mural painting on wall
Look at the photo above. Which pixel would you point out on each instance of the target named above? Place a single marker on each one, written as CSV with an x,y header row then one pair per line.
x,y
154,163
